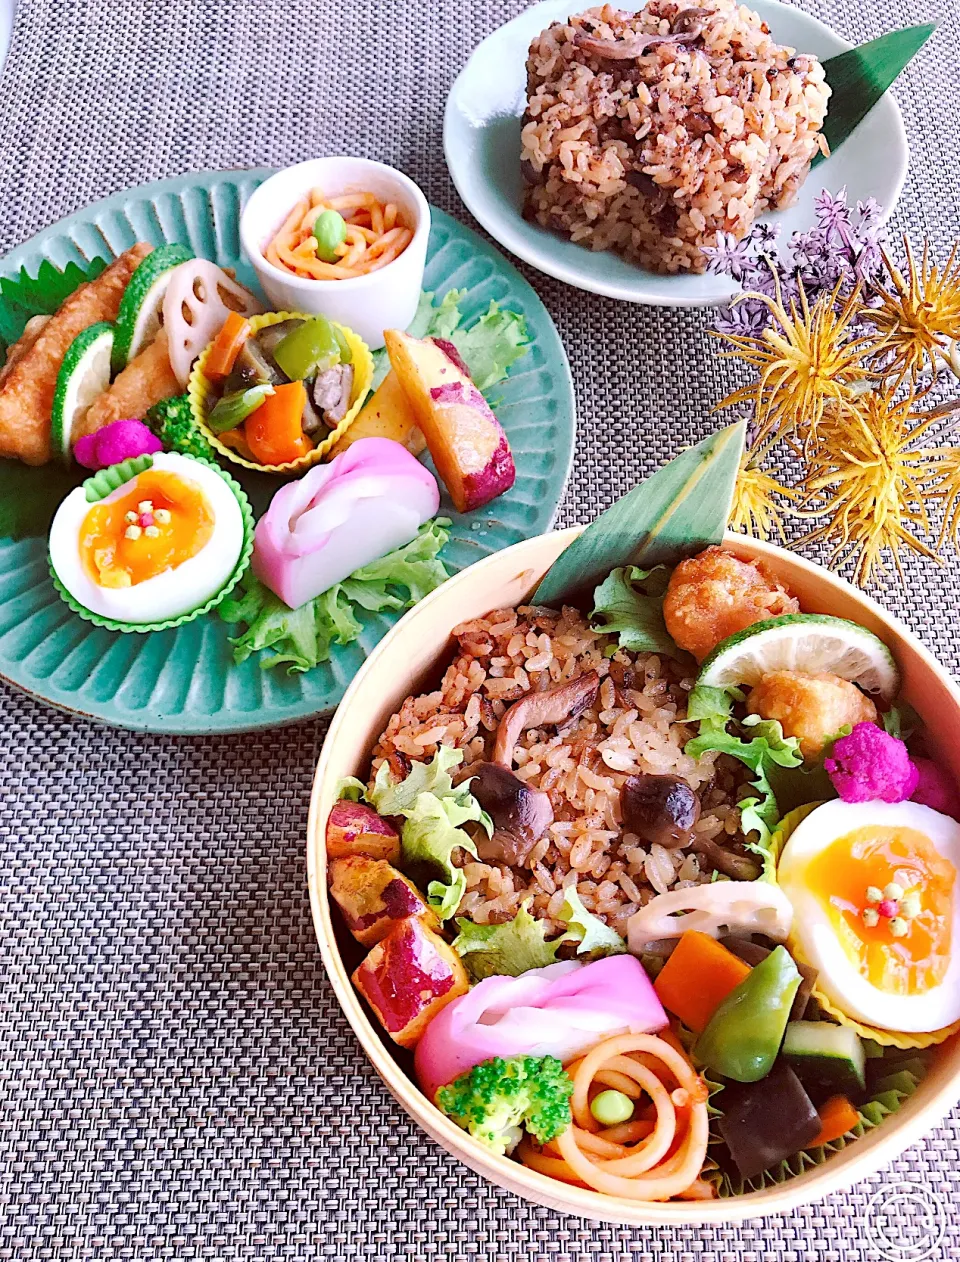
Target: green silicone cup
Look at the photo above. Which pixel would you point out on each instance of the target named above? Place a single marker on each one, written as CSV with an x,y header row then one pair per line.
x,y
108,480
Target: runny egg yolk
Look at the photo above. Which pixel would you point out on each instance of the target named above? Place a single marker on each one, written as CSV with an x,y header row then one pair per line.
x,y
160,522
877,856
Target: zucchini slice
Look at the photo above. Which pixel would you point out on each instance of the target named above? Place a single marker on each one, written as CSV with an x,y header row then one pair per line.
x,y
84,374
825,1055
138,320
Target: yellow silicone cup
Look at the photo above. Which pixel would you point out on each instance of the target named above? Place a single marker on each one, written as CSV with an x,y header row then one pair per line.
x,y
201,393
886,1038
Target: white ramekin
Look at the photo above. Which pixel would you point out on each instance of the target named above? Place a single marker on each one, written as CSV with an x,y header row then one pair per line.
x,y
386,299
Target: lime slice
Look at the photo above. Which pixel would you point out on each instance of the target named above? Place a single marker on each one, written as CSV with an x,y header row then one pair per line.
x,y
808,642
84,373
138,320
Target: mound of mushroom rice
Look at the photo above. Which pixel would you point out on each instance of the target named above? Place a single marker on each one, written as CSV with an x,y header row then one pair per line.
x,y
651,133
636,726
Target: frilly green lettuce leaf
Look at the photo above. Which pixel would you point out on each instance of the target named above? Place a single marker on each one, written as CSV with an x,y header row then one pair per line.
x,y
629,603
430,835
304,637
437,319
766,748
351,789
712,705
505,950
491,345
399,797
435,810
509,949
593,937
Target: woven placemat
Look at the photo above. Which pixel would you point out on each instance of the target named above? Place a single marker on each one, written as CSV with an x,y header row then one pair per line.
x,y
176,1078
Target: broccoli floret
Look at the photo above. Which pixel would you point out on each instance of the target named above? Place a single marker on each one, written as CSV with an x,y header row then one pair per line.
x,y
495,1099
172,422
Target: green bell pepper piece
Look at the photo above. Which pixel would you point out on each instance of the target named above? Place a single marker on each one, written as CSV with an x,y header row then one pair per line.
x,y
233,409
310,348
743,1037
346,354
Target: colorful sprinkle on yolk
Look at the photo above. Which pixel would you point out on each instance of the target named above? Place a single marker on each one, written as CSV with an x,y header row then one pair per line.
x,y
161,521
897,955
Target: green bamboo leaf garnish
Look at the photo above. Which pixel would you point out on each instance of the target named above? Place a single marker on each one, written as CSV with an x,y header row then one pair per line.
x,y
681,509
858,79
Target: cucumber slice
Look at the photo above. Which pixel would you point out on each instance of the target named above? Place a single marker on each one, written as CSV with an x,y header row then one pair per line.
x,y
84,373
808,642
825,1055
138,319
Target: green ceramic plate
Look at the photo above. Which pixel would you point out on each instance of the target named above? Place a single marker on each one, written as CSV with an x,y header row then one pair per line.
x,y
184,681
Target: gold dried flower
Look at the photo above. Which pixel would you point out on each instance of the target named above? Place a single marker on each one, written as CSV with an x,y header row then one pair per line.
x,y
869,480
804,362
755,510
918,316
944,466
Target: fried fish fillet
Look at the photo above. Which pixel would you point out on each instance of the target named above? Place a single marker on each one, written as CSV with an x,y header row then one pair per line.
x,y
145,381
27,389
16,352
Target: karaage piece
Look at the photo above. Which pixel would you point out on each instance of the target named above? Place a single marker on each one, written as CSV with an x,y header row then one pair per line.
x,y
714,594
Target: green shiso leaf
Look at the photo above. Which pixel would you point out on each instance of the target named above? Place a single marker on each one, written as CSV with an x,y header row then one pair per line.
x,y
30,495
858,79
43,294
678,511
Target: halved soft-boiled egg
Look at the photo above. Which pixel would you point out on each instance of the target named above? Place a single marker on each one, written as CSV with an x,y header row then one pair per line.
x,y
159,546
877,910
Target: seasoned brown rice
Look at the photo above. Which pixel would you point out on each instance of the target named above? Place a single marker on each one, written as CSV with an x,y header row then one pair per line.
x,y
636,726
653,155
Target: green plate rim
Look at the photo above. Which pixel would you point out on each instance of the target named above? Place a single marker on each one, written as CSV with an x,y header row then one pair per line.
x,y
55,242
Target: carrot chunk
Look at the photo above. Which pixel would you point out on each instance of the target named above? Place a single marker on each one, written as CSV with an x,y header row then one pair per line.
x,y
697,977
837,1116
274,432
226,346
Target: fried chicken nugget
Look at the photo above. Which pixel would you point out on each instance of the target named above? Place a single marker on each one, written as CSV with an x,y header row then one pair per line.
x,y
146,380
27,389
714,594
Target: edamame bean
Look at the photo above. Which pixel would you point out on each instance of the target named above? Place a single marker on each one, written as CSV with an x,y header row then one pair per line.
x,y
611,1107
330,231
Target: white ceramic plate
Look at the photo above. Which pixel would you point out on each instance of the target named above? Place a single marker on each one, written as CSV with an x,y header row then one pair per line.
x,y
481,140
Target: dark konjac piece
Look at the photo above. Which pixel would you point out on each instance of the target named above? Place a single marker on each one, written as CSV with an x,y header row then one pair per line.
x,y
661,809
765,1122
